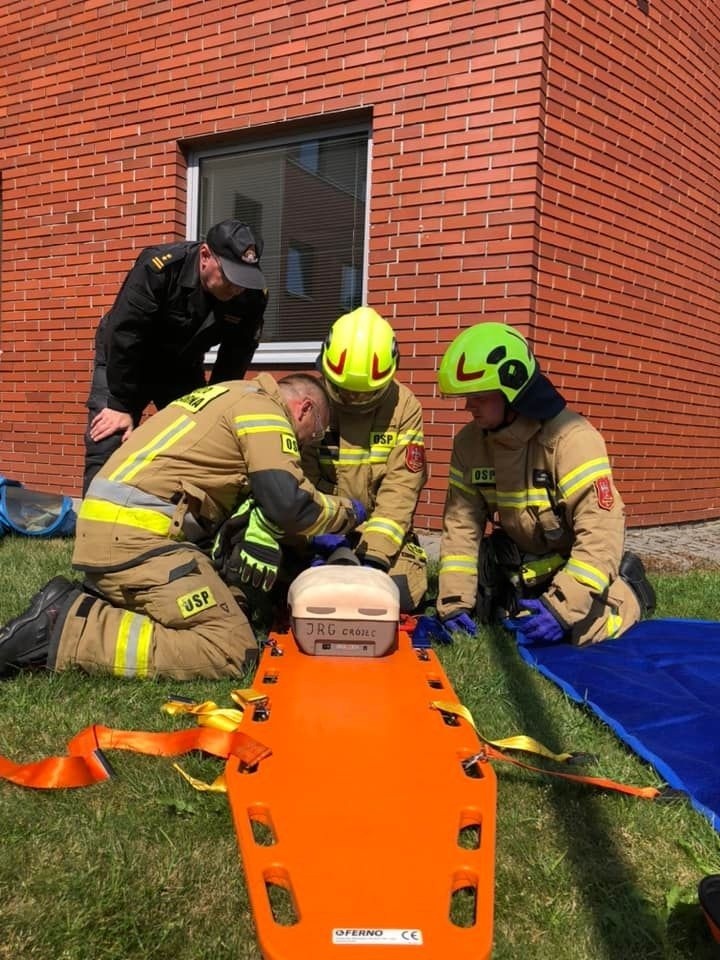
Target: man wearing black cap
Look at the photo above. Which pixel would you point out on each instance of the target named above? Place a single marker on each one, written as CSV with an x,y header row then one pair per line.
x,y
177,301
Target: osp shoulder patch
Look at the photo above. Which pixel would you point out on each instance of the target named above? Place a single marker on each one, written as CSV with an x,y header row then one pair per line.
x,y
482,476
383,438
289,444
604,493
199,398
415,457
195,602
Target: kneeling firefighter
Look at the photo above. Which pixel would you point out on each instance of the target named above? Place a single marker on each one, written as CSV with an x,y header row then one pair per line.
x,y
153,602
533,526
374,450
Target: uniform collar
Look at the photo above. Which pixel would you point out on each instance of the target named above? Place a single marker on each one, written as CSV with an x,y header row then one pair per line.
x,y
190,273
268,384
516,434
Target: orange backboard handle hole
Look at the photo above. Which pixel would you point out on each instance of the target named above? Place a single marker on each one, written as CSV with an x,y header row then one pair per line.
x,y
470,835
261,826
449,719
463,900
280,898
471,770
270,676
435,682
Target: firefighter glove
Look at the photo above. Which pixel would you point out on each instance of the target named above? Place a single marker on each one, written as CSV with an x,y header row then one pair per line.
x,y
230,533
256,557
539,627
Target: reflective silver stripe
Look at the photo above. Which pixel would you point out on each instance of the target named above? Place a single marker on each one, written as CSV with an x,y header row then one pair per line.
x,y
125,495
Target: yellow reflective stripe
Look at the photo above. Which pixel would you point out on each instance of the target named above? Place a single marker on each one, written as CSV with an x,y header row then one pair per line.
x,y
326,511
455,480
267,423
458,563
586,574
583,476
520,499
141,518
129,468
386,527
411,436
132,650
347,458
614,624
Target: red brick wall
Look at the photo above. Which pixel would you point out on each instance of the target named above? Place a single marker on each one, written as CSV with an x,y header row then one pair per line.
x,y
474,215
628,298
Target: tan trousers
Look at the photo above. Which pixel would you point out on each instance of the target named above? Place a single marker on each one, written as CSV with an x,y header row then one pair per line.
x,y
168,616
410,574
611,618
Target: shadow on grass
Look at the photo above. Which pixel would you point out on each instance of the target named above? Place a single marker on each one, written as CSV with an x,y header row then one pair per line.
x,y
596,847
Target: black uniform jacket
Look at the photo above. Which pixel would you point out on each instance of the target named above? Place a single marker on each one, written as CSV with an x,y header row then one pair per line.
x,y
162,323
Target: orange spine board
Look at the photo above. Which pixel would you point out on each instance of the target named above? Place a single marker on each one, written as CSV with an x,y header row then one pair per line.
x,y
364,819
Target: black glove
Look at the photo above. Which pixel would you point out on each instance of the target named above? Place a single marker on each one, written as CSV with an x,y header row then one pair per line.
x,y
256,557
230,533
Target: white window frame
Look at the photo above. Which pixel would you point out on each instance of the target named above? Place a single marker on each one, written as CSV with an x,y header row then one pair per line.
x,y
285,352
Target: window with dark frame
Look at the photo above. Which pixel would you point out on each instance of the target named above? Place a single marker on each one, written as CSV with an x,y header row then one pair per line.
x,y
306,198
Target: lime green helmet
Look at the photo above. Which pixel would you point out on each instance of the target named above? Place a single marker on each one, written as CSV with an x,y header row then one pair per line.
x,y
488,356
360,354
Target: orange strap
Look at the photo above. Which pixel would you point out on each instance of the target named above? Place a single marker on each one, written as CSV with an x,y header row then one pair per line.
x,y
646,793
492,750
85,763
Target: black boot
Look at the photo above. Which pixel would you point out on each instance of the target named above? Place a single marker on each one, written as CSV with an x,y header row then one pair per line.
x,y
633,573
25,641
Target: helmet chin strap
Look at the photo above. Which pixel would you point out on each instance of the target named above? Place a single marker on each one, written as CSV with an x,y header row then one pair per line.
x,y
357,406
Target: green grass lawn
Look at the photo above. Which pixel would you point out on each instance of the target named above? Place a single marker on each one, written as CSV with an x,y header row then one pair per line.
x,y
143,867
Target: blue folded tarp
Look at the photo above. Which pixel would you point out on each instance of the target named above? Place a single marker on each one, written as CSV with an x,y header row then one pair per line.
x,y
31,513
658,688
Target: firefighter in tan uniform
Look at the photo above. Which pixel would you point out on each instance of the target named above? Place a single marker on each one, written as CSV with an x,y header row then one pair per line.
x,y
540,473
153,603
374,450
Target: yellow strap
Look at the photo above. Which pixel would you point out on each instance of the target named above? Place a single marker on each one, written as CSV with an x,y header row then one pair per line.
x,y
217,786
208,714
518,742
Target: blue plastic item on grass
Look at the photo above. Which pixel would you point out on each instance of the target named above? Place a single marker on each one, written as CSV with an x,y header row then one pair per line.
x,y
31,513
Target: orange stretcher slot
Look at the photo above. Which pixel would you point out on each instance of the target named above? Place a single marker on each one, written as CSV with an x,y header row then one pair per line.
x,y
364,834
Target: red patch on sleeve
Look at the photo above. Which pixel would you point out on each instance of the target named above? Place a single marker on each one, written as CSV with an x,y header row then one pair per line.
x,y
415,457
604,491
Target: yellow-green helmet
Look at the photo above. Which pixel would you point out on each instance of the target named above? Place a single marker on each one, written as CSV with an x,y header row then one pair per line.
x,y
360,354
488,356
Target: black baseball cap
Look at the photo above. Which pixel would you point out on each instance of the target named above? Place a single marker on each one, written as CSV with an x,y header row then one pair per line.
x,y
238,250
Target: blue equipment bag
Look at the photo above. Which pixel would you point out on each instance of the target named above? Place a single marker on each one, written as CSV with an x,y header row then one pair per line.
x,y
34,514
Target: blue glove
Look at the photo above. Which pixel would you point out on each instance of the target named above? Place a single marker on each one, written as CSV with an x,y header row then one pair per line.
x,y
428,629
540,627
326,543
461,621
359,511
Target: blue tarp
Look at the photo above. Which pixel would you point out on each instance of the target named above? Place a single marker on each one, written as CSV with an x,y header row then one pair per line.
x,y
658,688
